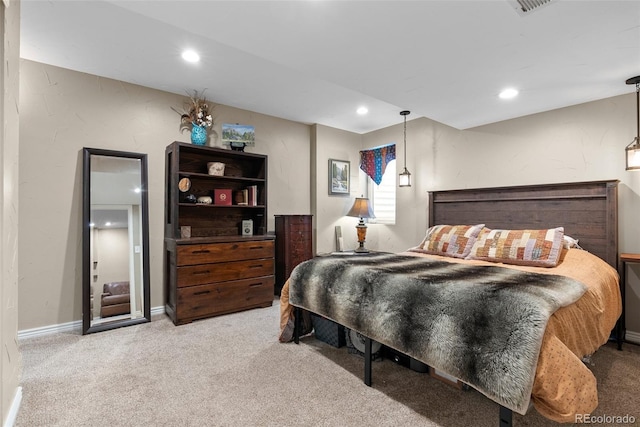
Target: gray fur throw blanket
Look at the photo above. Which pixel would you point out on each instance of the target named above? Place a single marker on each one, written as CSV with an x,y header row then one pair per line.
x,y
481,324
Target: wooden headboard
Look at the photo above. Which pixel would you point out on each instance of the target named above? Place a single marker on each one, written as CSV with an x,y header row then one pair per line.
x,y
588,211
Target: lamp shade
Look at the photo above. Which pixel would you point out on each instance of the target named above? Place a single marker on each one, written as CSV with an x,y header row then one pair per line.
x,y
361,208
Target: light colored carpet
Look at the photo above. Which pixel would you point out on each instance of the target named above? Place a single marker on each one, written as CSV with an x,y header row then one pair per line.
x,y
232,371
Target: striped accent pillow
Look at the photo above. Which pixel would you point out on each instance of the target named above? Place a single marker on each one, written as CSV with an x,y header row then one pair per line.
x,y
450,240
540,248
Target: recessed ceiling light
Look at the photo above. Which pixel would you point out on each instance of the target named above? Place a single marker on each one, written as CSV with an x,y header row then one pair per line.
x,y
362,110
508,93
190,56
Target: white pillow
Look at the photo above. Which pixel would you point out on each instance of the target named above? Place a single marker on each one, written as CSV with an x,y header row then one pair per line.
x,y
569,242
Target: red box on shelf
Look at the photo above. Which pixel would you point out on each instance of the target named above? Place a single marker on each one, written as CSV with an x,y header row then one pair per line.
x,y
222,196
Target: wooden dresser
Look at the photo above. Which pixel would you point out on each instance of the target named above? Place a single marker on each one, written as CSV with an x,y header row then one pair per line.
x,y
217,278
294,244
214,263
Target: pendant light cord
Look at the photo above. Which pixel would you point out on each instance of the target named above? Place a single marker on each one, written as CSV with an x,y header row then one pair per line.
x,y
636,80
637,111
405,141
405,113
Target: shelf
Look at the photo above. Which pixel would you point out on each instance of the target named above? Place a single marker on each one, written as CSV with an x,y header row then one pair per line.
x,y
220,178
204,205
242,172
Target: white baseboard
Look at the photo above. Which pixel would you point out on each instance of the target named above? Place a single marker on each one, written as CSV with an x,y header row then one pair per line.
x,y
14,408
633,337
75,326
157,311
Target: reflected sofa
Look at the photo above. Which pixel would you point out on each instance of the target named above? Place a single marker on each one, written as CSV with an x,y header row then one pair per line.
x,y
115,299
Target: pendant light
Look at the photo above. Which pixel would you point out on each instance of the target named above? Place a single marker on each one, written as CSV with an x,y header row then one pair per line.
x,y
405,176
632,150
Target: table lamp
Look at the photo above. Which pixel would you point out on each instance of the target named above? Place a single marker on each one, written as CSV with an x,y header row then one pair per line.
x,y
361,209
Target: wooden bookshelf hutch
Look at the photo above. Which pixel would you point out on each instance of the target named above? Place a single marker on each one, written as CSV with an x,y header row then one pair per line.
x,y
211,268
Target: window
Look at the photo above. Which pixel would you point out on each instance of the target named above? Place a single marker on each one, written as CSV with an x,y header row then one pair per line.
x,y
383,196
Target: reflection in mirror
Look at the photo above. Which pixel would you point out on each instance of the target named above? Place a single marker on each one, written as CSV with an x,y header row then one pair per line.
x,y
115,240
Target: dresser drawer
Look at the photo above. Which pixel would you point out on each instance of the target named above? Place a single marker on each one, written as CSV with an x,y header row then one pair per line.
x,y
301,234
221,272
222,252
299,228
298,219
218,298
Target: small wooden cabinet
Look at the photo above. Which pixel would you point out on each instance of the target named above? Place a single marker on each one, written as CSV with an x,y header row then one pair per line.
x,y
293,245
211,268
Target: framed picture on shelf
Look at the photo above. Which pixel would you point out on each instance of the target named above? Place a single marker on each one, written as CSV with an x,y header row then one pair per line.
x,y
339,177
238,136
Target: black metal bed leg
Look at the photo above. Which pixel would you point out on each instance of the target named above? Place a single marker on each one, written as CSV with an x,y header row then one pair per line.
x,y
619,338
297,324
367,361
505,417
620,331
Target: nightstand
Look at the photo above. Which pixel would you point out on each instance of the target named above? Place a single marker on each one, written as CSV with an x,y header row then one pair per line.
x,y
624,259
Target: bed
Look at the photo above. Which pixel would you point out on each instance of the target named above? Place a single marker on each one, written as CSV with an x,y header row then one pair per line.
x,y
543,321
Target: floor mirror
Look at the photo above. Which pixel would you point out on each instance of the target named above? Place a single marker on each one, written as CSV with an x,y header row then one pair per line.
x,y
115,240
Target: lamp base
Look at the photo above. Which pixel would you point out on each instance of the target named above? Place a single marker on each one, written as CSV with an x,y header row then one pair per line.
x,y
361,229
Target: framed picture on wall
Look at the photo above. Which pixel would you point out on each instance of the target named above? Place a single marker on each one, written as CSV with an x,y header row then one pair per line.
x,y
339,177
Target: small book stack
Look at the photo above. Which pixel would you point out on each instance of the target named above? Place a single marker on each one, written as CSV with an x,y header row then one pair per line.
x,y
247,197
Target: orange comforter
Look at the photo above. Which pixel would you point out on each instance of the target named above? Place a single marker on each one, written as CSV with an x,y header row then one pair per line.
x,y
563,385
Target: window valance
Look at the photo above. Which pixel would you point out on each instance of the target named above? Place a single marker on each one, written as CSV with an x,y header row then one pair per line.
x,y
374,161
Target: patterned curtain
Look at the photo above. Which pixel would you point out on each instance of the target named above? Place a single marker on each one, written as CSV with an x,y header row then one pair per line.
x,y
374,161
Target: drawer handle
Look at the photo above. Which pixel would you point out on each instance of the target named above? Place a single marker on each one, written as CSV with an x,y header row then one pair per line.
x,y
201,292
256,247
256,266
201,272
255,284
201,251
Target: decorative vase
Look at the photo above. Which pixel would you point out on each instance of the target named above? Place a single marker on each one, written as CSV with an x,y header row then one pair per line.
x,y
198,134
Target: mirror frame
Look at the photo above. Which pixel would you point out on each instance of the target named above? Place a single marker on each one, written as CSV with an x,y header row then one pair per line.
x,y
86,241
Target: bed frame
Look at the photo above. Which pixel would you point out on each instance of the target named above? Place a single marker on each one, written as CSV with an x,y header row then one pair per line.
x,y
588,211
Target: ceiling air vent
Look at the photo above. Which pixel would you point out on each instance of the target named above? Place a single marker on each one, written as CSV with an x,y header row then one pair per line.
x,y
525,6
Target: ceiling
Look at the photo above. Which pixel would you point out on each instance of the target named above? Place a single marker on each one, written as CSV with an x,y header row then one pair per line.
x,y
116,218
317,61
